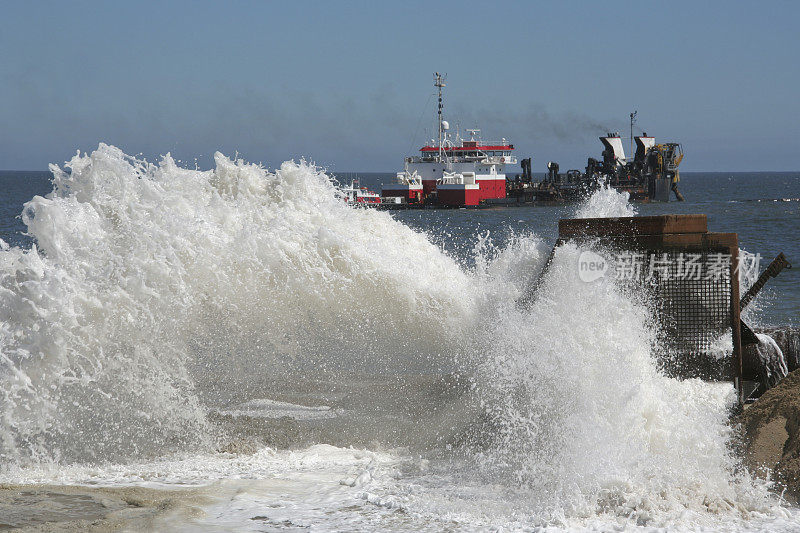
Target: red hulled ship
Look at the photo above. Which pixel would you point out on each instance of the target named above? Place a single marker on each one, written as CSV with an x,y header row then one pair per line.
x,y
452,171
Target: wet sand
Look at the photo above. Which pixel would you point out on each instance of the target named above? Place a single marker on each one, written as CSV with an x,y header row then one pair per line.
x,y
51,508
771,429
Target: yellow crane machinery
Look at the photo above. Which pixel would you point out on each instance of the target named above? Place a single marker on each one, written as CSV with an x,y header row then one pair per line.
x,y
669,157
648,174
666,158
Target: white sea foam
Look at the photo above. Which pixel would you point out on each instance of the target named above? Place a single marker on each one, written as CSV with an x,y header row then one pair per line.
x,y
265,408
582,418
149,282
155,291
606,202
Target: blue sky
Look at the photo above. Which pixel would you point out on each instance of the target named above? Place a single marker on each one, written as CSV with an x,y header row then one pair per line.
x,y
346,84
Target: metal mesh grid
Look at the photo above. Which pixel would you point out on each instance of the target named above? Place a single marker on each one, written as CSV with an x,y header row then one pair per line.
x,y
691,297
695,312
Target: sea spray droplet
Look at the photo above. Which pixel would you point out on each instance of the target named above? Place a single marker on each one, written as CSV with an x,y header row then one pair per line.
x,y
577,414
157,292
190,286
606,202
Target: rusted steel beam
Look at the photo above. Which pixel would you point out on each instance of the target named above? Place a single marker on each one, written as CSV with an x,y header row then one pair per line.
x,y
652,225
736,321
670,241
772,271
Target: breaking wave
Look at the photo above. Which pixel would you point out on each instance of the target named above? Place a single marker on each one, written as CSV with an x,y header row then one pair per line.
x,y
582,418
149,282
156,294
606,202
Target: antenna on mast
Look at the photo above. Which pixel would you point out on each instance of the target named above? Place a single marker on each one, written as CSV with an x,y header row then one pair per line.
x,y
438,81
633,121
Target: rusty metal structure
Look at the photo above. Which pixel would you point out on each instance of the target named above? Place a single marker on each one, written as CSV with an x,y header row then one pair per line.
x,y
693,312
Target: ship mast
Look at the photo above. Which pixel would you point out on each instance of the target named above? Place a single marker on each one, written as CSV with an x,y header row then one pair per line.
x,y
439,82
633,121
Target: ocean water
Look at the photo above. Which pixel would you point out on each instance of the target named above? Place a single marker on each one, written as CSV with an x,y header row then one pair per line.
x,y
237,349
763,208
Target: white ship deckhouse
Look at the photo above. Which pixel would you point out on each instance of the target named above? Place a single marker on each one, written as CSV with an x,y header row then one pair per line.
x,y
454,171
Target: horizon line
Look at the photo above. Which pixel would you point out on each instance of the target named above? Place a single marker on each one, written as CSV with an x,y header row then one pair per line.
x,y
328,170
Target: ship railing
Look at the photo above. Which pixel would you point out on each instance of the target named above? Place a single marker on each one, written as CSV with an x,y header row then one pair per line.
x,y
458,158
498,159
422,159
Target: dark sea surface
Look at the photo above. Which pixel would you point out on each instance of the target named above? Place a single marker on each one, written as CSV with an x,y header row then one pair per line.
x,y
762,207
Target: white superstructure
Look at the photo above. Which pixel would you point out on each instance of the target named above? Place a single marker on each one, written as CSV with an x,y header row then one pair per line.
x,y
458,170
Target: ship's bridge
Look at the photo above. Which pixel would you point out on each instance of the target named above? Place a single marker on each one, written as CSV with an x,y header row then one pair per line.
x,y
469,151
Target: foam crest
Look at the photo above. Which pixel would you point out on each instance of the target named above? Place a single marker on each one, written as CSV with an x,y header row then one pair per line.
x,y
578,413
151,283
606,202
